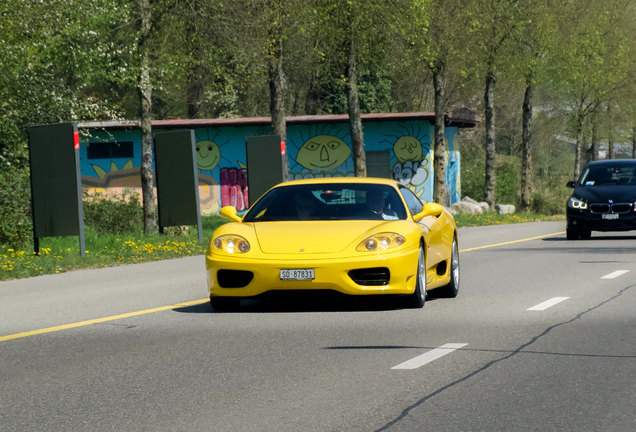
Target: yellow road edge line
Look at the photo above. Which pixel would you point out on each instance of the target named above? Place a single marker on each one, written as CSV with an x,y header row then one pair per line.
x,y
510,242
100,320
192,303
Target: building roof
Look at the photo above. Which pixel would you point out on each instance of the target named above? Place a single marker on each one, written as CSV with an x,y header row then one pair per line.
x,y
463,118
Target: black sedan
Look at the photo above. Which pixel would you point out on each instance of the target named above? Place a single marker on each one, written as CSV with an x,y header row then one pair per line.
x,y
603,199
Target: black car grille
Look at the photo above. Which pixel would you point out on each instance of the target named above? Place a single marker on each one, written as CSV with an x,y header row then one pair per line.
x,y
234,278
621,208
611,208
371,276
599,208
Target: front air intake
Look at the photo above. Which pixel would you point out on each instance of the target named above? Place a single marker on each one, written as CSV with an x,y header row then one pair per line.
x,y
234,278
377,276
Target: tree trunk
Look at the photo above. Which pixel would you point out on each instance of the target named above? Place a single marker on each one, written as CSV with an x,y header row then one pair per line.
x,y
145,114
277,88
194,95
577,149
526,154
489,188
594,139
634,142
355,124
439,150
311,98
610,138
194,85
277,85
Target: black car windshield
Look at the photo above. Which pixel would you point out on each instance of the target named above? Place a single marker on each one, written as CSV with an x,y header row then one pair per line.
x,y
328,201
609,175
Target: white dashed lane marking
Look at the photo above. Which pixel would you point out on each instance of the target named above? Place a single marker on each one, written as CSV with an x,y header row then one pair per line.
x,y
615,274
429,356
547,304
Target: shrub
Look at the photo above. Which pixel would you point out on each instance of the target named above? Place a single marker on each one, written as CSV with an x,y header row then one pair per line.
x,y
507,173
16,227
551,195
111,213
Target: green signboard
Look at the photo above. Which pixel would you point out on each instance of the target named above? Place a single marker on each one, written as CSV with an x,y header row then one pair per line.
x,y
56,188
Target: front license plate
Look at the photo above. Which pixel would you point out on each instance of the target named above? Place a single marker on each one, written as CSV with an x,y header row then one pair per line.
x,y
610,216
297,274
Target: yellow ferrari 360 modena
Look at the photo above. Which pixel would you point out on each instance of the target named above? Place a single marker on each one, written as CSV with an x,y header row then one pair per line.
x,y
358,236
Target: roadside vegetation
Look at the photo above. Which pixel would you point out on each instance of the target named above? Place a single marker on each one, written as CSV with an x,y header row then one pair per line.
x,y
114,236
554,83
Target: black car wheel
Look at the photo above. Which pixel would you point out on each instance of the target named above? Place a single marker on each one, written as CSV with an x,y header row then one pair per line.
x,y
452,289
572,234
418,298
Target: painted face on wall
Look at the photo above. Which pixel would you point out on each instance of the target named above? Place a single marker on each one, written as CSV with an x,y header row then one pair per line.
x,y
323,152
407,148
208,155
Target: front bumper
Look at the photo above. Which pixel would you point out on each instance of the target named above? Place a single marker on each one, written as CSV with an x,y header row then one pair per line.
x,y
330,273
586,220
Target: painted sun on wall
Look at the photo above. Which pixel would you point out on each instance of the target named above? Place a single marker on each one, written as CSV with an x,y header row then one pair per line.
x,y
320,151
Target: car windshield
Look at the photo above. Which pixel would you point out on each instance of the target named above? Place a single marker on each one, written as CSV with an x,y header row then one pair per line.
x,y
328,201
609,175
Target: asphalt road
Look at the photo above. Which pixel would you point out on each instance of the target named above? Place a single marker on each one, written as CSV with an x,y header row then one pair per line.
x,y
131,348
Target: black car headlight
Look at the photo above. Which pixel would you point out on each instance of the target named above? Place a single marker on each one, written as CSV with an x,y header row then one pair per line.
x,y
576,203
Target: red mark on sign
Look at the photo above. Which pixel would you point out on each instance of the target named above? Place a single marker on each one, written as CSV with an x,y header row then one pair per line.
x,y
76,140
282,148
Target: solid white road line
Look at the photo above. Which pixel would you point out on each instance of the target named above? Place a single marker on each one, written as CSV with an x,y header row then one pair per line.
x,y
547,304
429,356
615,274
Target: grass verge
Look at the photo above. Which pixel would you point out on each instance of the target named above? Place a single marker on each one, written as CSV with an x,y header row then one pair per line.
x,y
466,220
61,254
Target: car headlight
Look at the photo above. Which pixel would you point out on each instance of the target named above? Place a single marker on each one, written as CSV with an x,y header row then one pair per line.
x,y
231,244
577,203
381,241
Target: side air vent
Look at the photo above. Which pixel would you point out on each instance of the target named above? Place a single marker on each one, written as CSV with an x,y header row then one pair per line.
x,y
377,276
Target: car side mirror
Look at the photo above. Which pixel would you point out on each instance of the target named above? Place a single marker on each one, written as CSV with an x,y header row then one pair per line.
x,y
229,212
430,209
570,184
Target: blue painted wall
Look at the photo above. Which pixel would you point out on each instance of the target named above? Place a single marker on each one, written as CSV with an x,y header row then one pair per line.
x,y
313,150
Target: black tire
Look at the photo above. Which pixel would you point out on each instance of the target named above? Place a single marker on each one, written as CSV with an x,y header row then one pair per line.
x,y
418,298
585,234
571,234
452,289
225,304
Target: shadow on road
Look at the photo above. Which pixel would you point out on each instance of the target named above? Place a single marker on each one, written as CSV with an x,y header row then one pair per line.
x,y
313,301
594,238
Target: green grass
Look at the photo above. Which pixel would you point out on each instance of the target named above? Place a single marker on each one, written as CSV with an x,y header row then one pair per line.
x,y
465,220
61,254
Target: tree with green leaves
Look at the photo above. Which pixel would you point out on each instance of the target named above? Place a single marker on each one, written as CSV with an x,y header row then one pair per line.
x,y
439,47
493,24
532,45
353,32
592,64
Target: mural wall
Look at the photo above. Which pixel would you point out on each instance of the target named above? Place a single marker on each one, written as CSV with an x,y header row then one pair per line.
x,y
313,151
